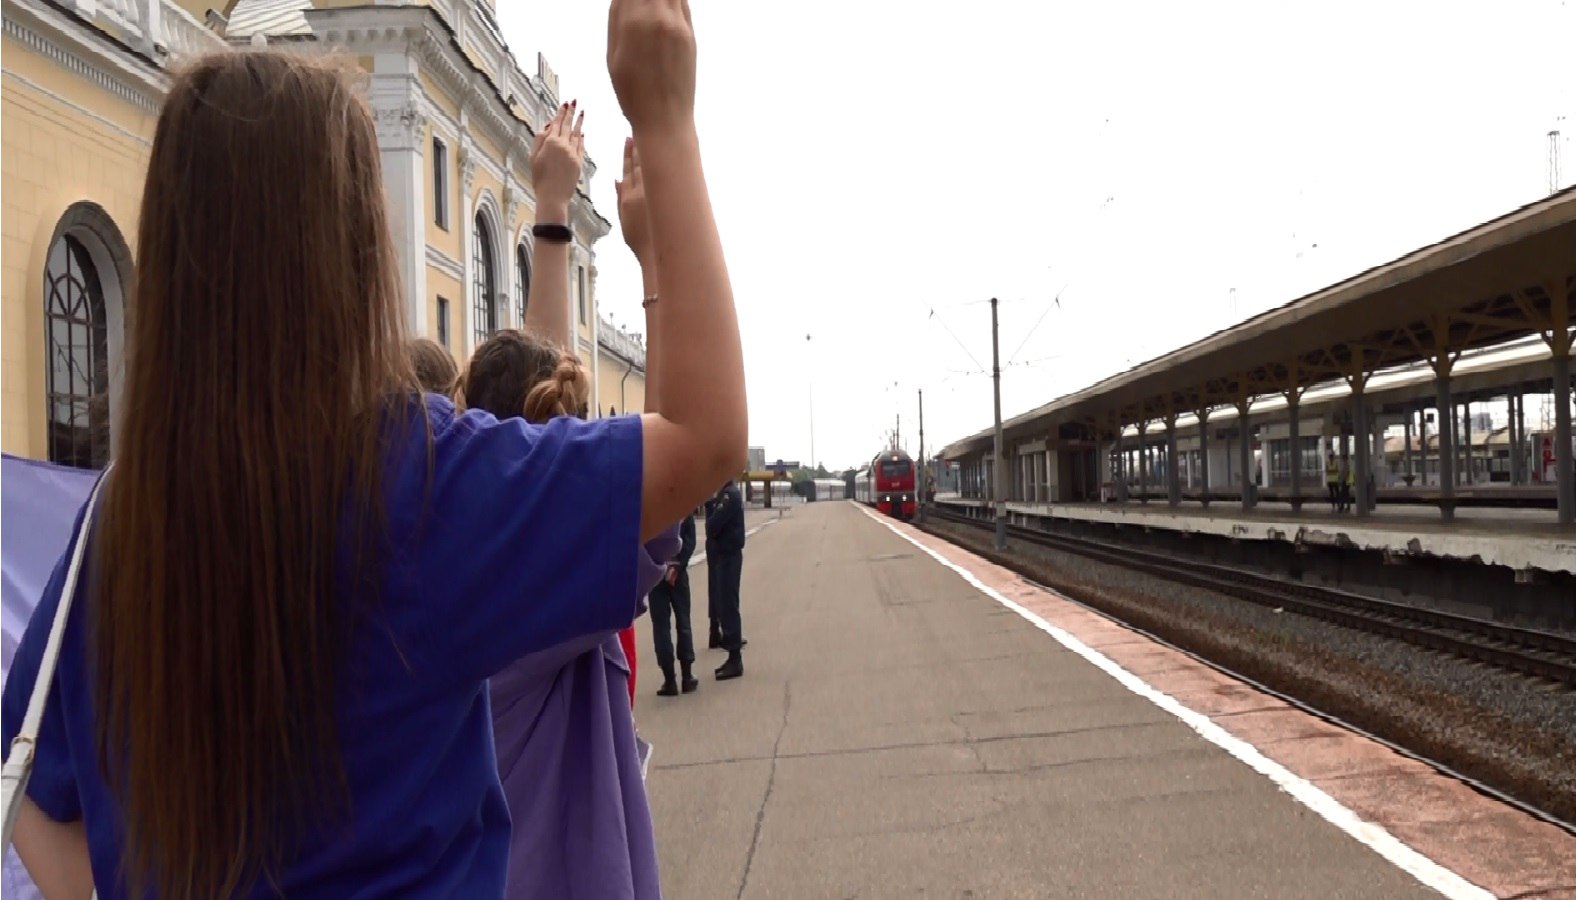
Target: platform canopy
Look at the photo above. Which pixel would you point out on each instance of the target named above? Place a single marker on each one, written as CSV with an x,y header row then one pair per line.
x,y
1508,278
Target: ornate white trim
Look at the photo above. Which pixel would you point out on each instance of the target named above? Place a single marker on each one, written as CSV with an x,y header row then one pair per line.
x,y
466,156
402,127
421,33
445,263
86,51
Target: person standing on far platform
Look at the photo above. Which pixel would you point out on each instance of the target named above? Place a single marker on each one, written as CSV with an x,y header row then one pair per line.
x,y
1332,482
671,599
1345,486
724,569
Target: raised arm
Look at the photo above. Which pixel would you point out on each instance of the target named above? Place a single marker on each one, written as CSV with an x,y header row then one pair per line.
x,y
698,439
556,159
634,221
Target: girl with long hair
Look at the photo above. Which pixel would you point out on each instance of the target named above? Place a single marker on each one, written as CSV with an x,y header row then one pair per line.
x,y
302,572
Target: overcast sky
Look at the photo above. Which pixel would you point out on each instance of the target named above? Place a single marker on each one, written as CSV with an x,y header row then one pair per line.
x,y
876,161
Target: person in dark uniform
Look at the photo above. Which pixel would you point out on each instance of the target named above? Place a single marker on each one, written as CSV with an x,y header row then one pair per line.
x,y
672,596
724,568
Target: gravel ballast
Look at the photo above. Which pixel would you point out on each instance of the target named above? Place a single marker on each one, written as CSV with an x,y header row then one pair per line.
x,y
1512,732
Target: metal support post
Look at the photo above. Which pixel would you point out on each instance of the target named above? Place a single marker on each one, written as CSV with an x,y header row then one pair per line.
x,y
1000,469
1293,404
1363,436
923,485
1564,477
1447,446
1173,477
1203,454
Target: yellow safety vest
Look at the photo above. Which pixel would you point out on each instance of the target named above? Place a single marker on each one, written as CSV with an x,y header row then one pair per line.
x,y
1332,472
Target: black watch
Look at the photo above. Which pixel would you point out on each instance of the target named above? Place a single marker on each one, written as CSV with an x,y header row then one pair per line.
x,y
553,234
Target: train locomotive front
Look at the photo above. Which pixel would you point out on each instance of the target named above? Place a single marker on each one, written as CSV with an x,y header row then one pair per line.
x,y
888,485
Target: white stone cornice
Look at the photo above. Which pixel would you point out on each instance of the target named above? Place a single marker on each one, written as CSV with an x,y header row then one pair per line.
x,y
422,32
86,51
588,225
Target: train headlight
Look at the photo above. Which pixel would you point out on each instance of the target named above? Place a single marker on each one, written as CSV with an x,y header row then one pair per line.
x,y
905,498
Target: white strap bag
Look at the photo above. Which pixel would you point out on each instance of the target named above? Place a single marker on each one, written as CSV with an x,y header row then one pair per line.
x,y
19,762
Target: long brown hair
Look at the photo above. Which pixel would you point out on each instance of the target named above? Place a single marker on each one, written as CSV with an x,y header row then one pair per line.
x,y
435,368
518,374
265,347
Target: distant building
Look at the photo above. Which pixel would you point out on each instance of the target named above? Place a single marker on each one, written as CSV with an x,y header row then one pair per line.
x,y
757,459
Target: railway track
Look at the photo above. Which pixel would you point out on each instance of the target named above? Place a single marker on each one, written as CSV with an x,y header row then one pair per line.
x,y
1531,652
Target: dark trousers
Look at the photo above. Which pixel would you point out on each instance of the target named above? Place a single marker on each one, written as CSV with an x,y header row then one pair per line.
x,y
672,600
723,573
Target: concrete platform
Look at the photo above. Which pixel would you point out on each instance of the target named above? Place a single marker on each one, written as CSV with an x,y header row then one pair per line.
x,y
898,733
1516,538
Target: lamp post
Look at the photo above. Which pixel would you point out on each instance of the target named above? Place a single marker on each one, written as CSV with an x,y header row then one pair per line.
x,y
810,379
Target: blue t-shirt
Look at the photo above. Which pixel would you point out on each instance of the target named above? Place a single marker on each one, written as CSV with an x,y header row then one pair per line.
x,y
528,537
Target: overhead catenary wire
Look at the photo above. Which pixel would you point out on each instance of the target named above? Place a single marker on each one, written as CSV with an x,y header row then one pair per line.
x,y
959,341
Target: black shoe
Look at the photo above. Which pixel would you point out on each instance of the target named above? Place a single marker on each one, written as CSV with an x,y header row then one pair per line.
x,y
689,683
669,688
715,643
733,668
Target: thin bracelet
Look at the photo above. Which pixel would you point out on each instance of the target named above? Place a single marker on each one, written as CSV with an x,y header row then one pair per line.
x,y
649,302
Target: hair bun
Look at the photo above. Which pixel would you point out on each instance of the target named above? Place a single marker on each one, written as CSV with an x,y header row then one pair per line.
x,y
562,394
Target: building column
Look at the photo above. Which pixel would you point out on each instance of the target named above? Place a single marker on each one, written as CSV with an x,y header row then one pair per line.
x,y
1447,449
1245,438
1173,477
1203,456
1511,435
1362,435
1564,478
402,140
1122,494
1407,448
1293,405
1466,434
1144,467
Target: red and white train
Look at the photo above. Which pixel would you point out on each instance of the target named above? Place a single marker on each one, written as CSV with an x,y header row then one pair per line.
x,y
888,485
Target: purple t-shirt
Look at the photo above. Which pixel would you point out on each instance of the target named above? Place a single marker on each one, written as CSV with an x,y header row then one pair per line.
x,y
510,539
570,769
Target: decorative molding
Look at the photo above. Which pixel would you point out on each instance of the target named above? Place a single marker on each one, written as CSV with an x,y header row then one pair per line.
x,y
402,127
511,204
88,52
445,263
425,34
466,157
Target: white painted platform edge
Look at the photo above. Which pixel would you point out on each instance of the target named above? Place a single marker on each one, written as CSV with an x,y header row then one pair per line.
x,y
1369,834
1514,551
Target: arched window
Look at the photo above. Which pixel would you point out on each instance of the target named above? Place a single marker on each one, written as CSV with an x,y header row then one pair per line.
x,y
485,275
76,337
522,282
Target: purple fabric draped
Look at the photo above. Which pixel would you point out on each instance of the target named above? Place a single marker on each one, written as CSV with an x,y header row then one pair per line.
x,y
570,768
37,508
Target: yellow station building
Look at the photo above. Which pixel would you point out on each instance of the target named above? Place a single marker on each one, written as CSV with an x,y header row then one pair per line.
x,y
83,80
